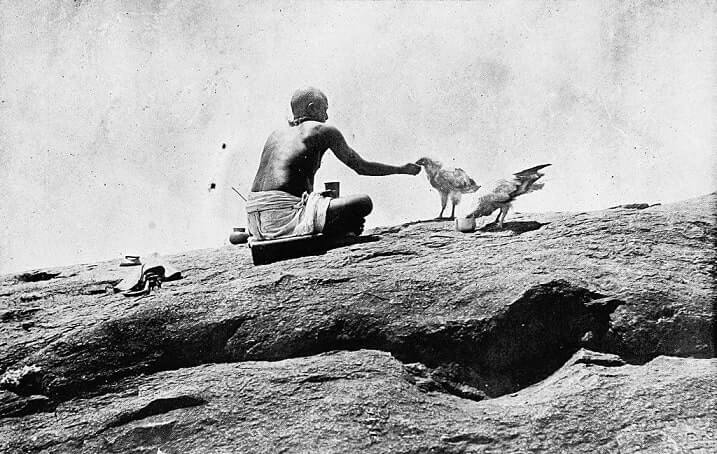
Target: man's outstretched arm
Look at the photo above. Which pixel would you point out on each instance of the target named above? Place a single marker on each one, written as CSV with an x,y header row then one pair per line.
x,y
347,155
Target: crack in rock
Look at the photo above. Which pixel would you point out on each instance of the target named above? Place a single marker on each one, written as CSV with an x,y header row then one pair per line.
x,y
155,407
591,358
470,438
529,340
381,254
13,405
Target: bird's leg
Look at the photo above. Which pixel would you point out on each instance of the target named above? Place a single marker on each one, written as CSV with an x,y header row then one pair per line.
x,y
444,200
503,213
498,217
455,200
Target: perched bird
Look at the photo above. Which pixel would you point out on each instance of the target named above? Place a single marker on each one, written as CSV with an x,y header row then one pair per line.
x,y
448,182
505,191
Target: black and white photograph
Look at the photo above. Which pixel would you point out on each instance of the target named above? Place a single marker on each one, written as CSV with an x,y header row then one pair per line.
x,y
411,227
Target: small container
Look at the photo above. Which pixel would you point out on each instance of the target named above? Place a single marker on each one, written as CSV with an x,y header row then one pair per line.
x,y
466,225
239,235
130,260
333,188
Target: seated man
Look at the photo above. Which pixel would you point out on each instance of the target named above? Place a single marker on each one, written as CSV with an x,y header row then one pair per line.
x,y
282,202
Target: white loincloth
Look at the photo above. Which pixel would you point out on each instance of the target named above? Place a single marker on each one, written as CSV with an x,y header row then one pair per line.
x,y
278,214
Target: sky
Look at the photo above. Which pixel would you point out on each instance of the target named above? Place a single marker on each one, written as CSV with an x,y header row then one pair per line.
x,y
117,117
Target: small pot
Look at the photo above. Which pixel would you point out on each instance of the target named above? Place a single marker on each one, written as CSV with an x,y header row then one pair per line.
x,y
332,187
466,225
239,235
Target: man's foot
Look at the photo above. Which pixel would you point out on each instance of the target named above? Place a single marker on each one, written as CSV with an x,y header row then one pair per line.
x,y
352,230
358,228
357,231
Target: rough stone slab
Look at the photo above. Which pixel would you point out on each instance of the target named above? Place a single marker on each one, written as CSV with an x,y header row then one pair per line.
x,y
365,401
471,315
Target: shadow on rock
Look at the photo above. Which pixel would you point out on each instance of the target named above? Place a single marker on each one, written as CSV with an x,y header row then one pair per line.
x,y
36,276
516,227
350,240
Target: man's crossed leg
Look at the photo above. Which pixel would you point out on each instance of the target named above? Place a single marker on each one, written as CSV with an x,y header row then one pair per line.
x,y
347,214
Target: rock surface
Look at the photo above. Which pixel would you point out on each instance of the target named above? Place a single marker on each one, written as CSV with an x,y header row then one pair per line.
x,y
364,401
424,340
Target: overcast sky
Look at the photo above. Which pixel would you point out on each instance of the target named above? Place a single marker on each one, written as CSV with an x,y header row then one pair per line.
x,y
113,114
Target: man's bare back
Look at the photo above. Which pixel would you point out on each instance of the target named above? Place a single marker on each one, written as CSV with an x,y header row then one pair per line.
x,y
292,156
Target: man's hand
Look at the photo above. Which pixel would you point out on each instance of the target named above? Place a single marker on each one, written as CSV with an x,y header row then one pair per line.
x,y
411,169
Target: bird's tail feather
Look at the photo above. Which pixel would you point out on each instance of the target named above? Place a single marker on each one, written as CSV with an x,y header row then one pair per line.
x,y
531,170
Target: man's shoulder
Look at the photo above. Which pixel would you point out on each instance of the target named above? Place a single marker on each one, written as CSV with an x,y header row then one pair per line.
x,y
317,126
322,130
318,130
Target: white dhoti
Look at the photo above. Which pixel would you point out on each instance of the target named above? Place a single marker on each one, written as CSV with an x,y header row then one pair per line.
x,y
278,214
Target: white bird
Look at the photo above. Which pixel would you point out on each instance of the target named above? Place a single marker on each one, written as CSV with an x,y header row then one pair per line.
x,y
448,182
505,191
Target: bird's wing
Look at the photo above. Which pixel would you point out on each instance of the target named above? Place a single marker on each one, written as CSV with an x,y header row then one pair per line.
x,y
493,199
503,190
456,180
468,184
440,182
525,180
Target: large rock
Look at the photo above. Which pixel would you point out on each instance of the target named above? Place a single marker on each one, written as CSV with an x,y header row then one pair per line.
x,y
470,316
365,401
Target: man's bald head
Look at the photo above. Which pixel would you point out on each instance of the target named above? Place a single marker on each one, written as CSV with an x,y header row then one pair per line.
x,y
309,103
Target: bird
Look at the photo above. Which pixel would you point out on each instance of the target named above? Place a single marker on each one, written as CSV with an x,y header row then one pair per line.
x,y
505,191
448,182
